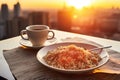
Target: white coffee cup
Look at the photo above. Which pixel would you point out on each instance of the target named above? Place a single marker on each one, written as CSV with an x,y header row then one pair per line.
x,y
37,34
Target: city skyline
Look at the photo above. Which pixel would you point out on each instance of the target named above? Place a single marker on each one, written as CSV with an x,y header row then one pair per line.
x,y
87,20
58,4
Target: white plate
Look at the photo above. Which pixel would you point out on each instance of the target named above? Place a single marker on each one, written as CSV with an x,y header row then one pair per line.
x,y
42,52
27,43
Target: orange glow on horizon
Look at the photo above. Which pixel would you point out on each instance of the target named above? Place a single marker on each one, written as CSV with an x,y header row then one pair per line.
x,y
34,4
59,4
41,4
79,3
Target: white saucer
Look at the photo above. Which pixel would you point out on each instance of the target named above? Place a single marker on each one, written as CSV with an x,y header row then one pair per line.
x,y
27,43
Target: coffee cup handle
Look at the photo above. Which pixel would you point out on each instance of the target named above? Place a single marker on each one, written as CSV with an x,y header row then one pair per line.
x,y
22,33
51,37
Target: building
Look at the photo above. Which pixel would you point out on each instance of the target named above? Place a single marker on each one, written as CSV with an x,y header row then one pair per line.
x,y
17,9
11,26
39,17
64,19
2,30
4,12
3,18
15,25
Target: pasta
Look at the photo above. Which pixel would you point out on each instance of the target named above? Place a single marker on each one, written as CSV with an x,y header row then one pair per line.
x,y
71,57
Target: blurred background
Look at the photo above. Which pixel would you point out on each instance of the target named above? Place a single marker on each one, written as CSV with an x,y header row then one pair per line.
x,y
100,18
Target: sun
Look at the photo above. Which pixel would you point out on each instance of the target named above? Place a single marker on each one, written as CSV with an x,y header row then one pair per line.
x,y
78,3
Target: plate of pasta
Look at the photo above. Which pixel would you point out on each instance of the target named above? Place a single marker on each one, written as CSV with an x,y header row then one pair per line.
x,y
72,57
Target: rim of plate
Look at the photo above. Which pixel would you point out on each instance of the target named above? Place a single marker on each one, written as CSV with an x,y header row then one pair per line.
x,y
39,57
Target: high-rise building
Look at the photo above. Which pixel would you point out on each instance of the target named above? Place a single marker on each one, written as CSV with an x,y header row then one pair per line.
x,y
15,25
4,12
17,9
4,17
2,30
65,19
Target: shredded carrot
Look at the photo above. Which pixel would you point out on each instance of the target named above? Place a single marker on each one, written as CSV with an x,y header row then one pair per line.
x,y
71,57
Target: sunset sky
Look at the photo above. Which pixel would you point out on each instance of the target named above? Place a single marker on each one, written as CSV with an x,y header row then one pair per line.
x,y
37,4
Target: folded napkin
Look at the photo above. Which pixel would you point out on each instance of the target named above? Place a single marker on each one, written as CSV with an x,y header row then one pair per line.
x,y
112,66
5,72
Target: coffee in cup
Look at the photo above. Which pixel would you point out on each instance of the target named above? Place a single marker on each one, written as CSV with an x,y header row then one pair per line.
x,y
37,34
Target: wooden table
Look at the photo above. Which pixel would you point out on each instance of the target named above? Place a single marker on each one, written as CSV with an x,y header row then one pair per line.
x,y
25,66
